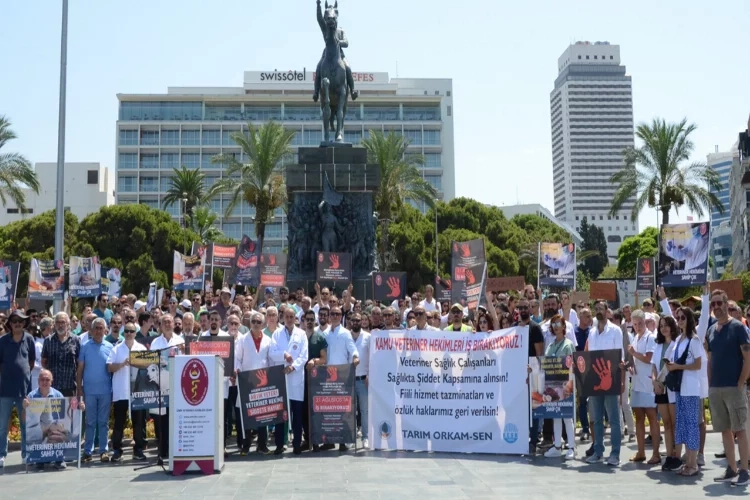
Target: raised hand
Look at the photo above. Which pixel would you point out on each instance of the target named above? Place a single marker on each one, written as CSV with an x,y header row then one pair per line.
x,y
465,250
604,371
395,285
334,261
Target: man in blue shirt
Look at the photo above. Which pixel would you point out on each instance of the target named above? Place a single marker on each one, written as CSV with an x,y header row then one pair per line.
x,y
17,357
102,309
95,387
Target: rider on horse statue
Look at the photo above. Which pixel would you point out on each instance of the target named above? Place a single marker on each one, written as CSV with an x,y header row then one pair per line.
x,y
343,42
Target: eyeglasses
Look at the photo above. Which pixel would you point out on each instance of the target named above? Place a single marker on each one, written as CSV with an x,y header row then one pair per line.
x,y
45,379
419,313
310,320
522,308
733,309
130,318
256,322
717,303
556,324
355,320
483,322
335,314
680,318
17,321
234,323
129,331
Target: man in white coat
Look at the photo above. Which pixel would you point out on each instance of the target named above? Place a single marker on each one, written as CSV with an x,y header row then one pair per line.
x,y
252,352
289,347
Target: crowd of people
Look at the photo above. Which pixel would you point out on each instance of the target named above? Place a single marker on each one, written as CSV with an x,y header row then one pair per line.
x,y
86,355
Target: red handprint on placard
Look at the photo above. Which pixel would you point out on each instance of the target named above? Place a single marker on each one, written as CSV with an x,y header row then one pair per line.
x,y
272,260
262,377
334,261
470,279
603,370
646,265
465,250
395,285
333,374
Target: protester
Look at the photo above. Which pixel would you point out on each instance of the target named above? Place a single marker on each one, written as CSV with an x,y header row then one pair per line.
x,y
60,355
17,357
362,344
118,364
561,347
289,348
44,389
642,398
94,384
317,355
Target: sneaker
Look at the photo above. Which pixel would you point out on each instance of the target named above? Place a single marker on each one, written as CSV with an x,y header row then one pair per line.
x,y
553,452
585,436
327,446
729,475
104,458
138,455
279,450
263,450
701,460
365,443
2,465
742,478
594,459
316,448
117,456
613,461
631,438
590,450
532,449
40,467
87,457
720,455
570,454
61,465
671,463
343,447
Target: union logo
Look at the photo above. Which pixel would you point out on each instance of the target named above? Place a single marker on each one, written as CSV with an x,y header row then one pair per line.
x,y
194,382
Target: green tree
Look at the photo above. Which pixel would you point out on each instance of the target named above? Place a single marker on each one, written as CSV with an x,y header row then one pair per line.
x,y
595,245
257,182
657,174
186,186
641,245
400,180
202,222
16,171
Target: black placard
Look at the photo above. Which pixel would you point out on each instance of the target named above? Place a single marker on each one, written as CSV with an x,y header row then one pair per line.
x,y
598,372
332,404
263,397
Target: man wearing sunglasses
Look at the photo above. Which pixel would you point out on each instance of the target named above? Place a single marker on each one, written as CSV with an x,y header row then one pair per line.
x,y
341,348
252,352
317,349
102,309
456,317
728,370
17,357
118,364
421,315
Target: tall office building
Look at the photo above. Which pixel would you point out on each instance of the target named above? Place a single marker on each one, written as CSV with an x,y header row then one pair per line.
x,y
188,126
591,110
739,200
721,232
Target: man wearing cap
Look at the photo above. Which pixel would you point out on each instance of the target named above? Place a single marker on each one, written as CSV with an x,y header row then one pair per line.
x,y
268,298
224,303
186,306
284,299
17,357
455,318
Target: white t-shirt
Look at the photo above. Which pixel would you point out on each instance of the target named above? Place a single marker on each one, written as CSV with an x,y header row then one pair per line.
x,y
656,362
642,377
121,378
161,343
430,306
691,379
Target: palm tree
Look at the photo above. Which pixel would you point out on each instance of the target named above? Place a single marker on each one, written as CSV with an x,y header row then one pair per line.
x,y
201,221
664,180
400,180
186,187
257,182
15,171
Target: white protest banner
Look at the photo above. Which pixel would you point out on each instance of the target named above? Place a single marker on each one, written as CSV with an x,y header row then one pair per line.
x,y
449,391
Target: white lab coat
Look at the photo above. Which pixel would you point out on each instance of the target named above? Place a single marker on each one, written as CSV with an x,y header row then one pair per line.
x,y
246,357
295,344
695,253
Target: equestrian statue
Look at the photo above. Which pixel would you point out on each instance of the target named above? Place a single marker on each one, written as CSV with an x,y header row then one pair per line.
x,y
333,74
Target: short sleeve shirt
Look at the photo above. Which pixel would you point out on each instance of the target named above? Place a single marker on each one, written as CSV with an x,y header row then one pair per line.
x,y
62,357
96,377
725,345
16,359
315,345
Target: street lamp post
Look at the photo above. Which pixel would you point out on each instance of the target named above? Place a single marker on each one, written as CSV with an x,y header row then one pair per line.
x,y
60,196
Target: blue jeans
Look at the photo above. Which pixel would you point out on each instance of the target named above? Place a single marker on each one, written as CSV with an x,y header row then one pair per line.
x,y
583,414
97,419
361,389
6,408
612,406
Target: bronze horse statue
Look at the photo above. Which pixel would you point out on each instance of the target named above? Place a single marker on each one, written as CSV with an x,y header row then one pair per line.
x,y
332,74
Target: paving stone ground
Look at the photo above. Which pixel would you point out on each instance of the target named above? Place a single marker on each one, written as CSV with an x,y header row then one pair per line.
x,y
370,475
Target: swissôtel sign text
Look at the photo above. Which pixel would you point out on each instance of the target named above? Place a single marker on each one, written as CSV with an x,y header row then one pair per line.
x,y
305,76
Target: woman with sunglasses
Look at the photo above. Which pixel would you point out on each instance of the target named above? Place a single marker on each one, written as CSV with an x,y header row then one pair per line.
x,y
687,357
561,347
665,399
484,323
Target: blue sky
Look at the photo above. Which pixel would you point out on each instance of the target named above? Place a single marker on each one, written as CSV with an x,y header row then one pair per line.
x,y
687,58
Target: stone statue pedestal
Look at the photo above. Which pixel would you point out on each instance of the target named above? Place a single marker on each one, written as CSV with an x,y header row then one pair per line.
x,y
342,178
